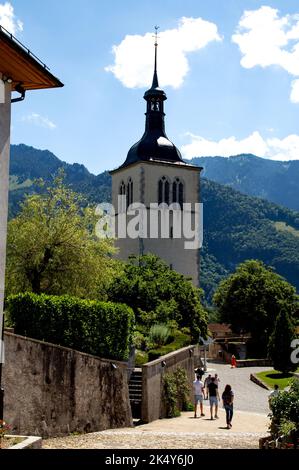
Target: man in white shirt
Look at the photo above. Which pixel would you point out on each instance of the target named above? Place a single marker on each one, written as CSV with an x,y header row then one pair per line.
x,y
198,390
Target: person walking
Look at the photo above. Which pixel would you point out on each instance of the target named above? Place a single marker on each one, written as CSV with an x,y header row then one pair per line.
x,y
214,397
198,390
217,380
228,399
199,372
233,362
206,385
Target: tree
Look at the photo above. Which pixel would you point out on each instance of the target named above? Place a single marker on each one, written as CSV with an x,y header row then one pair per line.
x,y
279,347
159,294
250,300
52,247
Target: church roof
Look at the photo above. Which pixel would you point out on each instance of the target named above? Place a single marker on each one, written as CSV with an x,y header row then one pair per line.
x,y
154,145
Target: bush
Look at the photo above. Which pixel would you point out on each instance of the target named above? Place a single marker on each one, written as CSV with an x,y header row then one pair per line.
x,y
100,328
159,335
141,357
176,390
285,411
180,340
170,395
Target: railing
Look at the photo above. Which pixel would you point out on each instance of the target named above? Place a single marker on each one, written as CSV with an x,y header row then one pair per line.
x,y
24,48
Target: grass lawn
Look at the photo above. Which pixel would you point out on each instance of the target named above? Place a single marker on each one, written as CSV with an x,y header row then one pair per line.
x,y
272,377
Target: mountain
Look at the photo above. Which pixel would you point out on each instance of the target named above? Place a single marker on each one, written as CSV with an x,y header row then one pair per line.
x,y
273,180
236,226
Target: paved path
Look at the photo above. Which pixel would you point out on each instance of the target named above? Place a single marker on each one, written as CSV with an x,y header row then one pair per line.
x,y
248,395
183,432
250,422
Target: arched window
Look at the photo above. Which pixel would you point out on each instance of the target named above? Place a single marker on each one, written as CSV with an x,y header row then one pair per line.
x,y
178,192
122,192
163,190
129,192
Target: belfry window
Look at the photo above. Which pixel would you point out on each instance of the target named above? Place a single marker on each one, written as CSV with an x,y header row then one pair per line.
x,y
122,192
178,192
129,192
163,190
155,105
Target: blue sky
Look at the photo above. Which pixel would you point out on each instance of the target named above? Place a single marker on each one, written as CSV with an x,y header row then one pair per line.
x,y
230,69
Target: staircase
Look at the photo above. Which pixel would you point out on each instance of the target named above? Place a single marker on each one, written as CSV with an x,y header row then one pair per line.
x,y
135,392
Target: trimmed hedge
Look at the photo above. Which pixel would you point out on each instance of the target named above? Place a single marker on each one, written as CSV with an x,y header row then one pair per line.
x,y
100,328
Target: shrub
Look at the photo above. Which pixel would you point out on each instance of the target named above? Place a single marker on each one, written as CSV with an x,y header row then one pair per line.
x,y
141,357
183,388
99,328
285,411
159,335
176,390
180,340
170,395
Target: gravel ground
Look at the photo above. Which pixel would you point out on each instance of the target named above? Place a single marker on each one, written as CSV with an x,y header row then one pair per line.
x,y
156,440
250,422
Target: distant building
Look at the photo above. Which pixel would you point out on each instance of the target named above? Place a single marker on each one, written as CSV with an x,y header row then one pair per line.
x,y
154,172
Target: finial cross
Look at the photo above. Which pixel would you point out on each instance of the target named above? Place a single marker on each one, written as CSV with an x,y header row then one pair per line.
x,y
156,35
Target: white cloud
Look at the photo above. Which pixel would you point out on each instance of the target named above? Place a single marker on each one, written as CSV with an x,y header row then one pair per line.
x,y
273,148
8,19
134,56
38,120
266,39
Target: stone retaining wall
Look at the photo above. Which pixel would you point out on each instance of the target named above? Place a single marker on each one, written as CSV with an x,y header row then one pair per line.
x,y
52,390
152,380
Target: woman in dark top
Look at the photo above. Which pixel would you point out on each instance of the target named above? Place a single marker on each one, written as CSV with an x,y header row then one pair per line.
x,y
228,398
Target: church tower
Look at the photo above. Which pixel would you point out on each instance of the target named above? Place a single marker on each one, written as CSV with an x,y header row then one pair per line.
x,y
152,174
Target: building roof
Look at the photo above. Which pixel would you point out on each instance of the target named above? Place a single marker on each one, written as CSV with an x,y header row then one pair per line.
x,y
21,66
154,145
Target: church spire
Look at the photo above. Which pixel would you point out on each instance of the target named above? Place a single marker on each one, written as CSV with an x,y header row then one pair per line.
x,y
154,144
155,83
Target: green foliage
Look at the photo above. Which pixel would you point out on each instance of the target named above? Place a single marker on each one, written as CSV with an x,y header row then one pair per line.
x,y
141,357
155,291
170,395
159,335
250,300
139,340
100,328
285,409
176,390
180,340
279,347
52,247
183,388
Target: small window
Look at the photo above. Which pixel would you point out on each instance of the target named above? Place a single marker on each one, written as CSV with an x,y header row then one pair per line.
x,y
163,190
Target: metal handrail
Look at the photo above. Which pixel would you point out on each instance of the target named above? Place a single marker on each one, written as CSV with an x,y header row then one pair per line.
x,y
14,39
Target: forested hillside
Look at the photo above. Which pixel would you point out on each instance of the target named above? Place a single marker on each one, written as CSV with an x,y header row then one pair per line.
x,y
236,226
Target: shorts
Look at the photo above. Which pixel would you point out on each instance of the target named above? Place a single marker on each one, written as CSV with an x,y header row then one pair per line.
x,y
198,398
213,401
